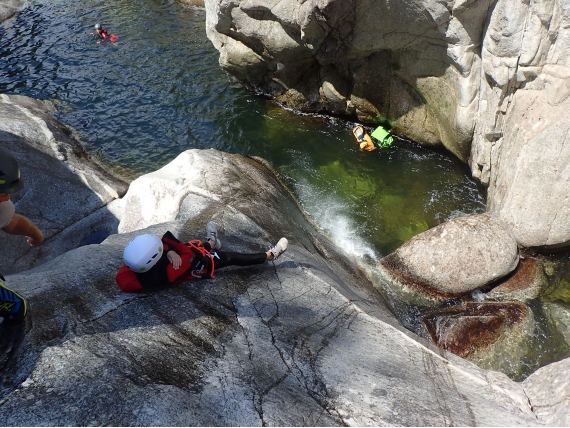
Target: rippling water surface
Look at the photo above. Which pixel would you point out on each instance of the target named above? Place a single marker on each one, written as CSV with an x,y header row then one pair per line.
x,y
159,90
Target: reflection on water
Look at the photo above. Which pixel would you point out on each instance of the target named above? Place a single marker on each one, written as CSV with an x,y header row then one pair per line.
x,y
159,90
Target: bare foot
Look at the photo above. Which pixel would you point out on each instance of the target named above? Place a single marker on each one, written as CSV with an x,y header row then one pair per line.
x,y
34,242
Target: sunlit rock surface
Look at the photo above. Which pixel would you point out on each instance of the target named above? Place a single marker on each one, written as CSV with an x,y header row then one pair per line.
x,y
549,392
71,199
457,256
529,177
305,340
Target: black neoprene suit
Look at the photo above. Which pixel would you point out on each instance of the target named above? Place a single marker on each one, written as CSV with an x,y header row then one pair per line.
x,y
229,258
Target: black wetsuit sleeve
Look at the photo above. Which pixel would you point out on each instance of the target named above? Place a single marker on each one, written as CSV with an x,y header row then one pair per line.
x,y
156,276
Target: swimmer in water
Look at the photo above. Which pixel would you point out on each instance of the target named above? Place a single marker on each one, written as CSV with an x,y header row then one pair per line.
x,y
104,34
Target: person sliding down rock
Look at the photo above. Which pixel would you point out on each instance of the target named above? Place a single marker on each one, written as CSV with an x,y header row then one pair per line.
x,y
151,262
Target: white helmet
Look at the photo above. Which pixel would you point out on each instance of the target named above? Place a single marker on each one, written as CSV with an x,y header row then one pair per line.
x,y
97,26
143,252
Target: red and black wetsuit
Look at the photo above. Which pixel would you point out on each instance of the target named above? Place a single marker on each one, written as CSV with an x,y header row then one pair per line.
x,y
191,267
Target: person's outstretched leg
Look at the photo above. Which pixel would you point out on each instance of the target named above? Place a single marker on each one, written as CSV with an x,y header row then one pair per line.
x,y
228,258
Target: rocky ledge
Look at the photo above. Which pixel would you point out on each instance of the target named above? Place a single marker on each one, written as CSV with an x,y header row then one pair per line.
x,y
305,340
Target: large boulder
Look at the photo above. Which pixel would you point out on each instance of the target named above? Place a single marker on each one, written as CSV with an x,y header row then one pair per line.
x,y
456,257
529,180
549,393
305,340
71,199
523,285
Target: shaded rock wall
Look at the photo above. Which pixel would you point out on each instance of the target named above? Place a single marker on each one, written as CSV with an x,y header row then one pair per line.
x,y
416,64
70,198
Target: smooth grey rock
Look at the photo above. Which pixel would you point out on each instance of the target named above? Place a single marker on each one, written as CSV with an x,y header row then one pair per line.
x,y
457,256
9,8
548,389
305,340
529,188
66,195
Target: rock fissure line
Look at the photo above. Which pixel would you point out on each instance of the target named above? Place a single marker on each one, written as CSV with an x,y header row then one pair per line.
x,y
251,378
303,379
437,390
109,311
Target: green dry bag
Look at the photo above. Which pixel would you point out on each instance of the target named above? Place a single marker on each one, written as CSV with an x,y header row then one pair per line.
x,y
382,137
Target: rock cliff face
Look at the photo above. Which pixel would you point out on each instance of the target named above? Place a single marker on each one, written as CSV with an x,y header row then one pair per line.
x,y
488,79
305,340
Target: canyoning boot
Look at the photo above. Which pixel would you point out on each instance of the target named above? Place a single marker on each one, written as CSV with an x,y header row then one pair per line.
x,y
212,235
279,249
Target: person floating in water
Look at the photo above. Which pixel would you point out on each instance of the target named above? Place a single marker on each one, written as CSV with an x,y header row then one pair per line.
x,y
104,34
152,262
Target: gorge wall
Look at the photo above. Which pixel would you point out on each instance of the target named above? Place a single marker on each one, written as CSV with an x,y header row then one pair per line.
x,y
486,79
267,345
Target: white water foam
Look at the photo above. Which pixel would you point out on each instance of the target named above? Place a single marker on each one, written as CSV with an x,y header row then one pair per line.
x,y
332,215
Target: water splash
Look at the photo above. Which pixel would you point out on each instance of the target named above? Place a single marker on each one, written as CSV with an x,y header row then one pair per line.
x,y
332,215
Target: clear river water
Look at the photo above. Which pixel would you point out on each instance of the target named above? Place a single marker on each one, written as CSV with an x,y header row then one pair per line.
x,y
138,103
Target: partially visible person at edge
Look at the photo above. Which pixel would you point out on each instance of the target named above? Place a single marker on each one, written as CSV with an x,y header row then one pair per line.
x,y
10,182
152,262
13,306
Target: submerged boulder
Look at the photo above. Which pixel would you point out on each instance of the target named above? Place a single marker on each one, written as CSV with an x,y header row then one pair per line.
x,y
456,257
304,340
524,284
493,335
